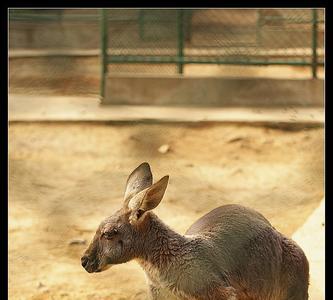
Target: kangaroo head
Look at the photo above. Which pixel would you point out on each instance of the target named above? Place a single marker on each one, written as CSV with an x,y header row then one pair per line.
x,y
120,237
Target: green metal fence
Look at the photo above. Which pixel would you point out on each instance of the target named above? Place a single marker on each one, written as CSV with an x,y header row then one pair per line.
x,y
179,37
202,36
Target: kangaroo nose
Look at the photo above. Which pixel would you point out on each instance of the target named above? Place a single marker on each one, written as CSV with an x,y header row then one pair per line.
x,y
84,261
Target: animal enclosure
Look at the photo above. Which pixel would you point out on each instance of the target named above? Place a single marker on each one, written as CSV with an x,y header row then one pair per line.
x,y
65,178
69,156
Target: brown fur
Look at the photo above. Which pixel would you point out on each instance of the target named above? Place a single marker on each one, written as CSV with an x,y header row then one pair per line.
x,y
231,253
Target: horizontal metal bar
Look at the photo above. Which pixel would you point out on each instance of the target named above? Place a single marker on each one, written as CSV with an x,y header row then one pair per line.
x,y
185,60
96,52
95,17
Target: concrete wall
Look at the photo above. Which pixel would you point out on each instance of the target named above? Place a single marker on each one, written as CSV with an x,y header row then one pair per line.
x,y
210,91
81,76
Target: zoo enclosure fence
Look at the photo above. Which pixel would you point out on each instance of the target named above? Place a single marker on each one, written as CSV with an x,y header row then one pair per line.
x,y
178,37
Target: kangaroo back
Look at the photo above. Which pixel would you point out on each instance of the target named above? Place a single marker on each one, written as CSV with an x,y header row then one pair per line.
x,y
257,260
224,217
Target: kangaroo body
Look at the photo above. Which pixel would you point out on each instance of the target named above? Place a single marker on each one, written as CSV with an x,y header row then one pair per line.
x,y
231,253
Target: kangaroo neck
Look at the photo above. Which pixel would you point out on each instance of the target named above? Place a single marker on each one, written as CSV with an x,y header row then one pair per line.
x,y
161,245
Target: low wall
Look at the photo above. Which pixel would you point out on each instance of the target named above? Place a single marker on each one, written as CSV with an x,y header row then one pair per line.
x,y
211,91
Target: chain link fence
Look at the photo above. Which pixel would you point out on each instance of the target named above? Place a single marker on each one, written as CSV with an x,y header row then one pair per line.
x,y
171,41
217,36
258,37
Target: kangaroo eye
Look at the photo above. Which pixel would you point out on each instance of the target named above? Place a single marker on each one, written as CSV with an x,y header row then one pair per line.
x,y
107,235
110,234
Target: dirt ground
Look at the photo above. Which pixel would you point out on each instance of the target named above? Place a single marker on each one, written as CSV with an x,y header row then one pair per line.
x,y
64,178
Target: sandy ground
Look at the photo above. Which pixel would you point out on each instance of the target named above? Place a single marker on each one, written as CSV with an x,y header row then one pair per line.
x,y
64,178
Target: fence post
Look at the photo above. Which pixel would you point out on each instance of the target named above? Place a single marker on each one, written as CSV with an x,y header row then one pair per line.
x,y
314,43
141,24
104,50
180,23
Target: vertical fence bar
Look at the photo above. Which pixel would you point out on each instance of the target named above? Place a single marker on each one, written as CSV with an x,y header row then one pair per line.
x,y
141,24
180,23
314,43
104,50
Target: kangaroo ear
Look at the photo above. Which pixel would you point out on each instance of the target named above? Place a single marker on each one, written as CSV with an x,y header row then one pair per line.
x,y
147,199
140,179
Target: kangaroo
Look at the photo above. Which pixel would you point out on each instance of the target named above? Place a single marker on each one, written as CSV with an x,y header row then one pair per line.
x,y
231,253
